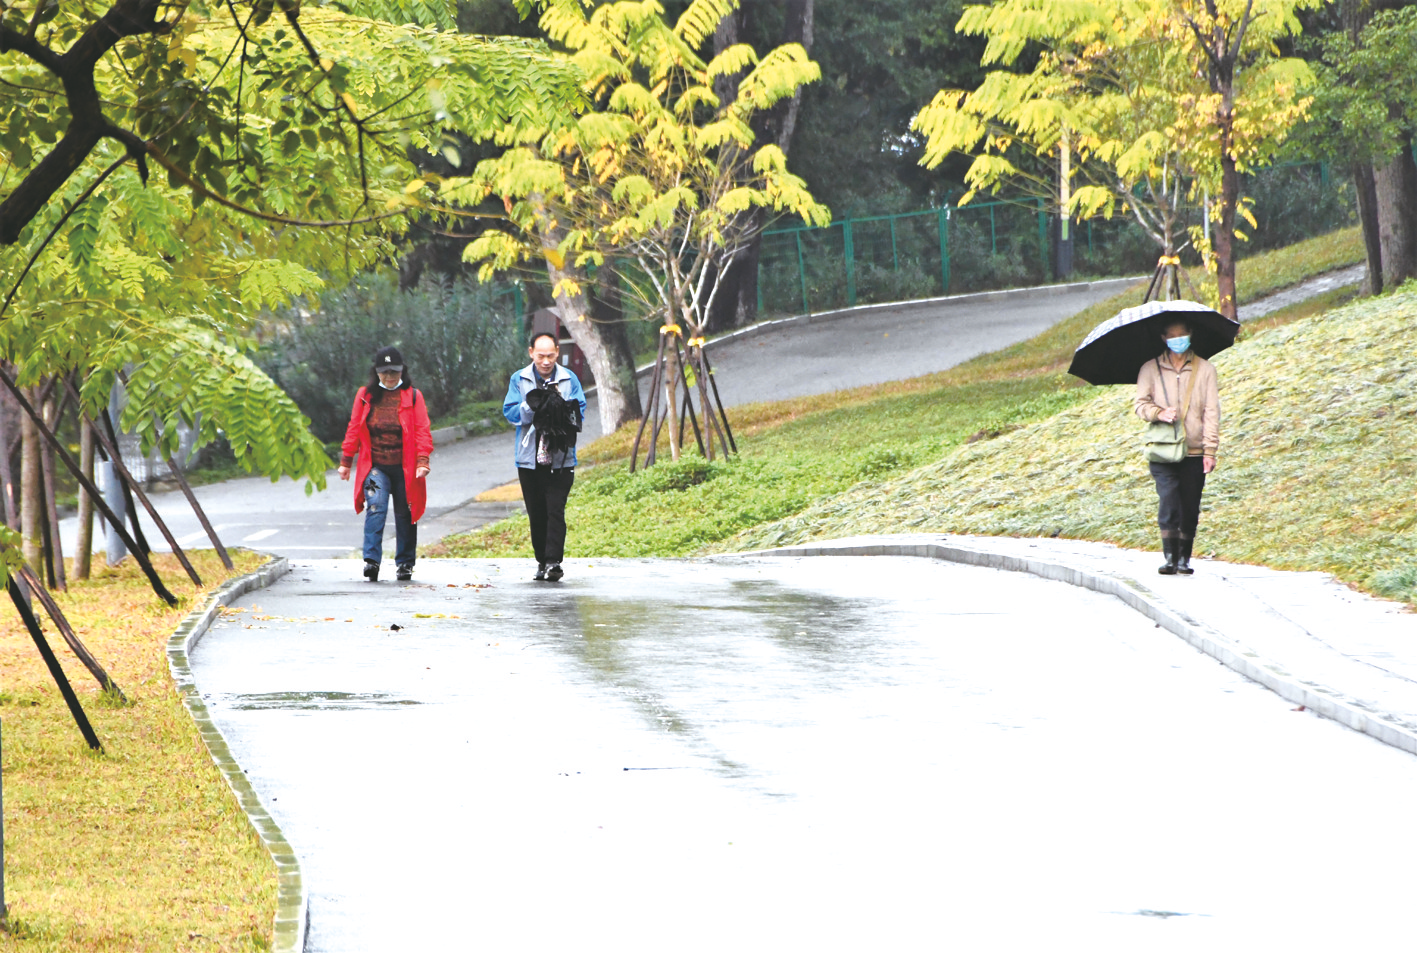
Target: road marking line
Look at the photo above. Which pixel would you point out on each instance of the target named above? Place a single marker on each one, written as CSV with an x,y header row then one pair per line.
x,y
257,537
200,534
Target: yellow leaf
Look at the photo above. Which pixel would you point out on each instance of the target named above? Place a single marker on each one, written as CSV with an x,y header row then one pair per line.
x,y
413,186
326,64
557,259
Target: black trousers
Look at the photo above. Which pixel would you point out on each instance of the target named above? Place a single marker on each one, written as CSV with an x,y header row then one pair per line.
x,y
544,491
1178,489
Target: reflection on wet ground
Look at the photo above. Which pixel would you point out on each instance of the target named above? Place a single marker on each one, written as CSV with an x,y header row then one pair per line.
x,y
843,753
307,701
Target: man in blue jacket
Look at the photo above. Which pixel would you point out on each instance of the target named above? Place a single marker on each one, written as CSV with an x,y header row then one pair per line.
x,y
547,403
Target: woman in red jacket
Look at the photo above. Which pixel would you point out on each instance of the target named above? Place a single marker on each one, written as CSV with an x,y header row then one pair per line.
x,y
389,434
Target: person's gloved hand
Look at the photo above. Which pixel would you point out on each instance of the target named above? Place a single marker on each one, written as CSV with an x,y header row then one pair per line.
x,y
535,399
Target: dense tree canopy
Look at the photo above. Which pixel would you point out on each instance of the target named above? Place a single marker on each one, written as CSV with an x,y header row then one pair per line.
x,y
172,171
1130,99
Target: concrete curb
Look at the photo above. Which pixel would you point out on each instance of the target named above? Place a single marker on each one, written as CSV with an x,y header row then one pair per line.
x,y
292,899
824,317
1315,697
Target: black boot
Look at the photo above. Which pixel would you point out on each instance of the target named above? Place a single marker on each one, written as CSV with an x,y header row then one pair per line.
x,y
1183,565
540,572
371,570
1171,547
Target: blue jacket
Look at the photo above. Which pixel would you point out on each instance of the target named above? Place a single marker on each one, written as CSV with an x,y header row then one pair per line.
x,y
515,409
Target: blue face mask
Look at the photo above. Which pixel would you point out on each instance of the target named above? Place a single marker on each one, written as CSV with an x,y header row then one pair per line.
x,y
1179,345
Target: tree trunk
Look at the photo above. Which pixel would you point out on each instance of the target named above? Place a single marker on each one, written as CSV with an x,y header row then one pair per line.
x,y
1396,188
671,397
607,311
616,391
1225,233
7,476
737,302
1366,189
29,492
83,545
47,465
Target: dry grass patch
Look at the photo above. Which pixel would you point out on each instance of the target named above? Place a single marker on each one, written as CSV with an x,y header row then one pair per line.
x,y
142,847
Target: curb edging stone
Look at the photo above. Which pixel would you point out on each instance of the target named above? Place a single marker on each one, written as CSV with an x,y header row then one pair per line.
x,y
292,898
1317,698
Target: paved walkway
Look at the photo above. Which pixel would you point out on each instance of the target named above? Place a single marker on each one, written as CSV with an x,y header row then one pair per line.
x,y
1304,635
776,753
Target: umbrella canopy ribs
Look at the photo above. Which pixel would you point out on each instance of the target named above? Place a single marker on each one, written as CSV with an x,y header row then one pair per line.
x,y
1114,351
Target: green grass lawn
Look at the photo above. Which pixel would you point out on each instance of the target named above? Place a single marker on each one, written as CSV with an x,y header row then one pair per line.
x,y
821,466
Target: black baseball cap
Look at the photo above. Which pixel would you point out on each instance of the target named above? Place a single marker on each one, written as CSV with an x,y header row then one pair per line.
x,y
388,359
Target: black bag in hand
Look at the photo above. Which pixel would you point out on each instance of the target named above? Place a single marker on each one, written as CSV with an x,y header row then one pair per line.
x,y
555,418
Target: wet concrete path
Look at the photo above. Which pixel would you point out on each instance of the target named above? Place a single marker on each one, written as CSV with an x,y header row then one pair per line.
x,y
776,754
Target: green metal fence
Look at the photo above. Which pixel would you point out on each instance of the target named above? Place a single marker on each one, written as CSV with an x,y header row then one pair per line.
x,y
913,255
989,245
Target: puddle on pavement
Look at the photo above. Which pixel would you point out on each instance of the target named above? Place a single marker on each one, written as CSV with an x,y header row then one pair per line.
x,y
313,701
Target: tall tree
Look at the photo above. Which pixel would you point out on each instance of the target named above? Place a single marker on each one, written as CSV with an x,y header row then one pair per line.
x,y
1365,85
737,301
651,181
1144,97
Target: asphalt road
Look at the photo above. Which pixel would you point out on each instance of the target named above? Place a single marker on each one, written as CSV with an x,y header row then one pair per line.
x,y
867,345
822,754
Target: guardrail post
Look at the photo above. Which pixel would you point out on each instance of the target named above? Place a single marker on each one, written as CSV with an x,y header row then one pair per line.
x,y
1043,238
895,258
850,252
944,229
801,271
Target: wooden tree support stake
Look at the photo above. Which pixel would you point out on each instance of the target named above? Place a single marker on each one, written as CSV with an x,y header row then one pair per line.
x,y
65,689
201,513
650,411
74,468
61,622
137,491
723,415
124,478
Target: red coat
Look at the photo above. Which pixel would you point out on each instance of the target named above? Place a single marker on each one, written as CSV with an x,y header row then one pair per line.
x,y
417,442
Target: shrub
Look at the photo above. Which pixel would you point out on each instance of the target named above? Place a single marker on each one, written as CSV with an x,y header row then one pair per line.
x,y
460,341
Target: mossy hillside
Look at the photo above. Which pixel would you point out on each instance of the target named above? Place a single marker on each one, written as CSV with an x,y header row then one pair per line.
x,y
1318,463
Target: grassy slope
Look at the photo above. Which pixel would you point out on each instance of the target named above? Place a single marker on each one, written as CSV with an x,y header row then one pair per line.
x,y
796,453
1318,462
142,847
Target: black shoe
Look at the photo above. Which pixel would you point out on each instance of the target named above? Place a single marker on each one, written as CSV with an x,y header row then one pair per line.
x,y
1183,564
404,574
371,570
1171,547
554,573
540,573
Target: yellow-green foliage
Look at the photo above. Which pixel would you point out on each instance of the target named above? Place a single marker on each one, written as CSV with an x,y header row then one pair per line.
x,y
1122,85
1318,462
142,847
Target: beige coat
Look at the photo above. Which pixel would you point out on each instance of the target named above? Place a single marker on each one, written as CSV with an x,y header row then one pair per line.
x,y
1159,385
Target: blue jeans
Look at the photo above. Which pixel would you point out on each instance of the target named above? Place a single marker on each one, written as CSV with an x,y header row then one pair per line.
x,y
385,485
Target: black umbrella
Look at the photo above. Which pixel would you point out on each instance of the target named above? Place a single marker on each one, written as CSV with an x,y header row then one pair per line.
x,y
1117,348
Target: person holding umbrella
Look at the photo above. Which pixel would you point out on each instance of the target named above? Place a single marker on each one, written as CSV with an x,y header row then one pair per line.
x,y
1176,387
1179,384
